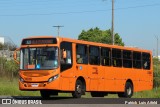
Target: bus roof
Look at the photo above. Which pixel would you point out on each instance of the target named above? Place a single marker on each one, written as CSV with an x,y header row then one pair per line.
x,y
91,43
104,45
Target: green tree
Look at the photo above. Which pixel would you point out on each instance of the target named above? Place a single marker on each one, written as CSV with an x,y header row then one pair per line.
x,y
97,35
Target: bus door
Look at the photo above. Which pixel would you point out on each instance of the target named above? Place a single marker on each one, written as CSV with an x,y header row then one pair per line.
x,y
66,66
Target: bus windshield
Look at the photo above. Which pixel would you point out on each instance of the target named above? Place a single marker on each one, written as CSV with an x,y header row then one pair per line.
x,y
39,58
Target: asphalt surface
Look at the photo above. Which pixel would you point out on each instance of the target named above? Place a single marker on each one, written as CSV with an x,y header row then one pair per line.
x,y
63,100
18,101
71,100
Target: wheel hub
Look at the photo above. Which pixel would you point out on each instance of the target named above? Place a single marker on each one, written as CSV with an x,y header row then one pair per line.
x,y
129,91
79,90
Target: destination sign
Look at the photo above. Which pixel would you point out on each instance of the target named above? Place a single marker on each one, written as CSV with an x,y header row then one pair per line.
x,y
36,41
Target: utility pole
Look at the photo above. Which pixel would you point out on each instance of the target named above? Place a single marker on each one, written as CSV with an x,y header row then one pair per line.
x,y
58,28
113,22
157,61
157,44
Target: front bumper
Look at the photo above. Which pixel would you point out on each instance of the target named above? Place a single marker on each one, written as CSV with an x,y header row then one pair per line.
x,y
54,85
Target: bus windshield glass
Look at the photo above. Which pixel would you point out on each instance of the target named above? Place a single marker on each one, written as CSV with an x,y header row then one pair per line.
x,y
39,58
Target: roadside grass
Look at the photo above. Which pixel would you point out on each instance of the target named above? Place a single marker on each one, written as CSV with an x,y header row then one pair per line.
x,y
154,93
11,88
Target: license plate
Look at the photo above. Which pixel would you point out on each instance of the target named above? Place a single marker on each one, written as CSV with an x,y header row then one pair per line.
x,y
34,85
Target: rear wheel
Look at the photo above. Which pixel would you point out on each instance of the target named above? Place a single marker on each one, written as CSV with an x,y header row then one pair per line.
x,y
78,89
128,91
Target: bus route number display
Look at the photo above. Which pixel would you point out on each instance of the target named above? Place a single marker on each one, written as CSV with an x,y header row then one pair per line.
x,y
39,41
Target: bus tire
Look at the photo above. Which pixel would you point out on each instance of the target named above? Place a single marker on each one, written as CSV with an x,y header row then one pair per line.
x,y
45,94
78,89
128,91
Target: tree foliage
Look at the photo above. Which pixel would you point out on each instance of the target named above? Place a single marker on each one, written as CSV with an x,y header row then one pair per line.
x,y
102,36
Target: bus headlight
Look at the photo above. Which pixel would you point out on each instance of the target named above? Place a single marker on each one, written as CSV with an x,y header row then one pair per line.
x,y
21,79
53,78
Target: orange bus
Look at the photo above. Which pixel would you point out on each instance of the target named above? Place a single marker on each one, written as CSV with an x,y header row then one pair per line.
x,y
54,64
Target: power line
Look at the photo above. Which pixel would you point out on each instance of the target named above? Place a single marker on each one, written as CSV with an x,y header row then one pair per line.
x,y
26,5
44,4
132,7
52,2
91,11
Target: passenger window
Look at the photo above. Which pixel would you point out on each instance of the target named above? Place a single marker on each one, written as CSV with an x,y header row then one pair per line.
x,y
106,57
116,58
127,59
66,55
94,56
146,60
137,61
81,54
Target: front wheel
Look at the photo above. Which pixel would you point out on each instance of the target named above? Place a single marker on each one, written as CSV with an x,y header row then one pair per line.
x,y
78,89
128,91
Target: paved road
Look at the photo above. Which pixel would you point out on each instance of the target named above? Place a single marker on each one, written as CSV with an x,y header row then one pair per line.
x,y
64,100
70,100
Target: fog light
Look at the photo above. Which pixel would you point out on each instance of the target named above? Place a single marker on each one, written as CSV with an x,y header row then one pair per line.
x,y
25,85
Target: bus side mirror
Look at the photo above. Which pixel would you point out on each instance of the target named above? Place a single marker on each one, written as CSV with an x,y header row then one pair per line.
x,y
15,55
64,53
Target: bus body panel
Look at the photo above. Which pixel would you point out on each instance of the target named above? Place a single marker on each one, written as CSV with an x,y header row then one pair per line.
x,y
40,85
39,79
67,80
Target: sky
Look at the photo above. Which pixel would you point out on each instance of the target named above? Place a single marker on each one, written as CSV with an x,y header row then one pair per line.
x,y
136,21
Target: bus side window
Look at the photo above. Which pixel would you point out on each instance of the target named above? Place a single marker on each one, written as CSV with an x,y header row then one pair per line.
x,y
94,55
105,56
127,59
137,61
146,60
116,57
81,54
